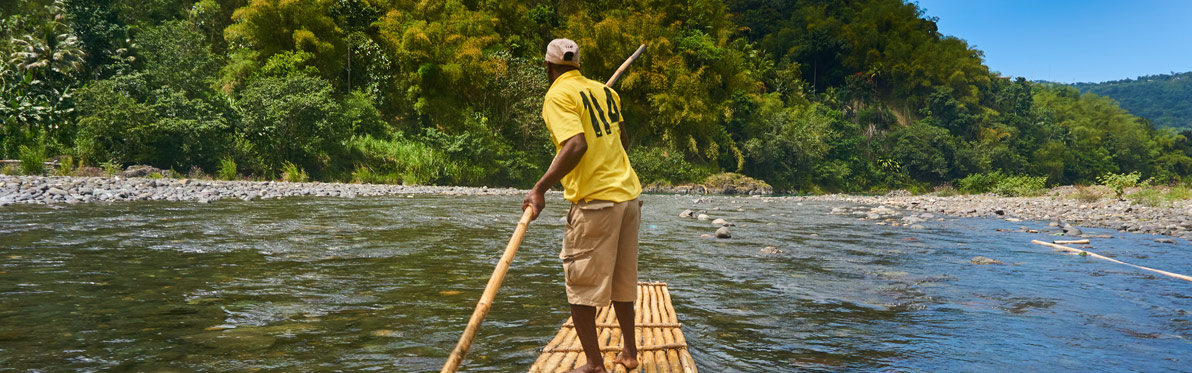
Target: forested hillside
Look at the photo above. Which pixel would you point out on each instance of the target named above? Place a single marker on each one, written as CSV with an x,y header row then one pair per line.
x,y
1165,100
807,95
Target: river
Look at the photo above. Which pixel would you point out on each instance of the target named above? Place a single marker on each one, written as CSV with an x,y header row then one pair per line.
x,y
387,284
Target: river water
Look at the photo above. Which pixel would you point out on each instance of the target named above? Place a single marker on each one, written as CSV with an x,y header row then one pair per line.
x,y
387,283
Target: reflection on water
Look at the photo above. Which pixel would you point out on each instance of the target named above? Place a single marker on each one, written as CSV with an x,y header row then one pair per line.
x,y
388,284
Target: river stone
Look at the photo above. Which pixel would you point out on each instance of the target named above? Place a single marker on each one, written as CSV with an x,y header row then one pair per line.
x,y
723,232
686,214
980,260
722,222
1070,230
873,216
140,171
898,193
770,250
57,192
702,217
911,220
1165,240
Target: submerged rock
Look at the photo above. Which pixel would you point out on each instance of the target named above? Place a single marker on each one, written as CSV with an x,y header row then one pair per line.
x,y
702,217
980,260
233,339
771,250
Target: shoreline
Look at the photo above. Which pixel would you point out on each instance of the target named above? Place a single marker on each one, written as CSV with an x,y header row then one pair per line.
x,y
1118,214
1056,209
74,189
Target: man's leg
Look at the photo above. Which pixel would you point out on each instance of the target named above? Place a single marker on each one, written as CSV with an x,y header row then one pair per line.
x,y
625,317
625,283
584,318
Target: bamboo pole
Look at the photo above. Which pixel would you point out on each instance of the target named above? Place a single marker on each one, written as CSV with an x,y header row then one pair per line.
x,y
1071,242
490,292
625,65
1102,257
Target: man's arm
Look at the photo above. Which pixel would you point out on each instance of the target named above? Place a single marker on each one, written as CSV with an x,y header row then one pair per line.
x,y
570,153
624,137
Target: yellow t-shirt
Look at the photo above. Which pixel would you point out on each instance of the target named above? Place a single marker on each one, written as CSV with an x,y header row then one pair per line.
x,y
574,105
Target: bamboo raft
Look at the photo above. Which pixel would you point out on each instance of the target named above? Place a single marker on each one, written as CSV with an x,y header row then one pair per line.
x,y
660,342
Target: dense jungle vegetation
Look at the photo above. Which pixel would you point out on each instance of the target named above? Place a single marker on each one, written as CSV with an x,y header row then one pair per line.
x,y
1164,99
811,95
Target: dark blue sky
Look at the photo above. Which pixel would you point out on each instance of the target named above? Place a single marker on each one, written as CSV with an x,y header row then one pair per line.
x,y
1072,41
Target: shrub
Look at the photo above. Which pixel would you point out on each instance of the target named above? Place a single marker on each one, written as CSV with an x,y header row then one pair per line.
x,y
8,170
126,120
657,164
196,173
32,159
980,183
733,183
1119,182
411,161
1020,186
65,166
291,119
1087,194
365,175
227,169
156,175
292,173
110,168
945,190
1159,196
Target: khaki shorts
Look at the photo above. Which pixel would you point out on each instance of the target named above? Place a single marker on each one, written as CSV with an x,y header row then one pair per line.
x,y
600,252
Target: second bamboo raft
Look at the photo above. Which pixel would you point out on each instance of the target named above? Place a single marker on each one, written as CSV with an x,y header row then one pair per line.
x,y
660,343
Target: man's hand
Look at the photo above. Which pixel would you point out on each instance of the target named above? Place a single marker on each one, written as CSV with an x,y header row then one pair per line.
x,y
535,200
569,155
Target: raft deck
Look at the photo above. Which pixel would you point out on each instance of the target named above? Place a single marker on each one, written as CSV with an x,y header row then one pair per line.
x,y
660,342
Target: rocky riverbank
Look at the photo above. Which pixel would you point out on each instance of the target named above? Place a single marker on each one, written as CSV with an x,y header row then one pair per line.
x,y
51,190
1062,213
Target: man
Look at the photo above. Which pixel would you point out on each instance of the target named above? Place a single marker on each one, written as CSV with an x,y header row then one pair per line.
x,y
600,240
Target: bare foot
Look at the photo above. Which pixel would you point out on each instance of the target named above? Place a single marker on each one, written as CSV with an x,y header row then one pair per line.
x,y
626,359
589,369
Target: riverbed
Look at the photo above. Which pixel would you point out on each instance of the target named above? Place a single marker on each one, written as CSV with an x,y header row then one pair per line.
x,y
388,282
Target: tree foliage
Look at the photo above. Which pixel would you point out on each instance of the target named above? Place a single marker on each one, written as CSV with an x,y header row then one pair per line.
x,y
1164,99
806,95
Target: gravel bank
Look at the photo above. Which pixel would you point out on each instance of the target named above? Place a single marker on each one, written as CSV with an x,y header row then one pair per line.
x,y
1111,213
1121,215
50,190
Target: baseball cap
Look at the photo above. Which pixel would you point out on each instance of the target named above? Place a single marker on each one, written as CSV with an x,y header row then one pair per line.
x,y
557,50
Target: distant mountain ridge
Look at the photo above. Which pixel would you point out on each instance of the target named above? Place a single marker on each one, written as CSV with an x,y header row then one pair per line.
x,y
1164,99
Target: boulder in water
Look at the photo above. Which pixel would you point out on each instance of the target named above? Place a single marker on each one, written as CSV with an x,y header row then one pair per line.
x,y
723,232
702,217
687,214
